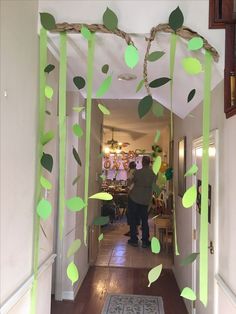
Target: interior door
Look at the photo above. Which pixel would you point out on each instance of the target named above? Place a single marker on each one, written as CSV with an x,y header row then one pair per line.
x,y
212,223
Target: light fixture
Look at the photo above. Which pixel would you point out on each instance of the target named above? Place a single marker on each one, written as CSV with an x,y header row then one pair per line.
x,y
106,150
126,77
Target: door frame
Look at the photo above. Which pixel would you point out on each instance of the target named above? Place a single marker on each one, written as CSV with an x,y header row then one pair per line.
x,y
198,143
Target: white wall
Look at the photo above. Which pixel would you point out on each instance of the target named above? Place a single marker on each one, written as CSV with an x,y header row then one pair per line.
x,y
192,128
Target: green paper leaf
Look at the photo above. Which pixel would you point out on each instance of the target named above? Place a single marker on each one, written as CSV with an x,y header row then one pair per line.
x,y
139,86
49,68
76,179
103,109
159,82
79,82
195,43
102,196
100,238
104,87
110,19
105,68
144,106
155,245
176,19
85,32
47,21
47,137
48,112
154,274
72,273
75,204
78,109
44,209
191,171
156,189
45,183
157,109
189,197
47,162
76,156
77,130
156,165
192,65
189,294
189,259
131,56
191,94
155,55
101,221
48,92
74,247
157,136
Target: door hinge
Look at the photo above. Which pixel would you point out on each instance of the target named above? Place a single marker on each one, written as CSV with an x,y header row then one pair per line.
x,y
194,234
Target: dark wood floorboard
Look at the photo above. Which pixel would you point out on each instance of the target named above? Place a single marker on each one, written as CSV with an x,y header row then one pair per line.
x,y
102,280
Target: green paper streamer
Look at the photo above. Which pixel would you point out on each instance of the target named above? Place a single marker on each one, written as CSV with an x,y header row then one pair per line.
x,y
203,270
91,46
62,130
42,109
173,41
74,247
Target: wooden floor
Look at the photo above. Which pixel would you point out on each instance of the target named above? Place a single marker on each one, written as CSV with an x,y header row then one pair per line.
x,y
102,280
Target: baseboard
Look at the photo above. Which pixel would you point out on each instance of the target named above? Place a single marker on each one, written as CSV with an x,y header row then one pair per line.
x,y
226,289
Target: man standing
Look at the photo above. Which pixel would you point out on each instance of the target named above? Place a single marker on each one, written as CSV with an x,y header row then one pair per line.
x,y
139,200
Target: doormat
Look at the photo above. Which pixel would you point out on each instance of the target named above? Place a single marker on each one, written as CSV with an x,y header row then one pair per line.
x,y
133,304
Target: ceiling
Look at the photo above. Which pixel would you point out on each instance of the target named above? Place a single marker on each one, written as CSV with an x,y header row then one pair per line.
x,y
110,49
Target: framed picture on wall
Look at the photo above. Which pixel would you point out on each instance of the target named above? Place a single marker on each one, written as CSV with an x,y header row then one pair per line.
x,y
181,166
199,191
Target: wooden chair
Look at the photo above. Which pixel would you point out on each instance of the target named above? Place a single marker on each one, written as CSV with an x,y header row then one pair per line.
x,y
163,230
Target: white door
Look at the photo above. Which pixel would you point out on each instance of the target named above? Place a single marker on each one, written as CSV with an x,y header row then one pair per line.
x,y
212,223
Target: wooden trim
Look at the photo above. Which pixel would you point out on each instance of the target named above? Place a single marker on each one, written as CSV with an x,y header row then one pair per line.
x,y
216,21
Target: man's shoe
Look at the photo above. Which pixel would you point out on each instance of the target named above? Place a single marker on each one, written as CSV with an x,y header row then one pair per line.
x,y
146,244
130,242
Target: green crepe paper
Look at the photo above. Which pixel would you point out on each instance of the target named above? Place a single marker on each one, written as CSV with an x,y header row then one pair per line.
x,y
75,204
192,65
62,130
189,259
189,294
157,136
192,170
110,19
49,68
44,209
101,221
79,82
105,68
195,43
190,197
191,94
78,109
155,245
157,109
103,109
203,270
74,247
85,32
154,274
102,196
47,21
76,179
139,86
72,273
104,87
90,66
47,137
159,82
176,19
144,106
49,92
100,238
41,124
77,130
131,56
156,165
47,162
45,183
76,156
155,55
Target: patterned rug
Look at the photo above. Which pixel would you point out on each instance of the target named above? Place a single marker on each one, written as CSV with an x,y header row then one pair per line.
x,y
132,304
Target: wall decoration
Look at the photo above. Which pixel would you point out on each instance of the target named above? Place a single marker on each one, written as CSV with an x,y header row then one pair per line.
x,y
181,166
199,193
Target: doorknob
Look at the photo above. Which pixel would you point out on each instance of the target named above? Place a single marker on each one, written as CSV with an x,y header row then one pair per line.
x,y
211,247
